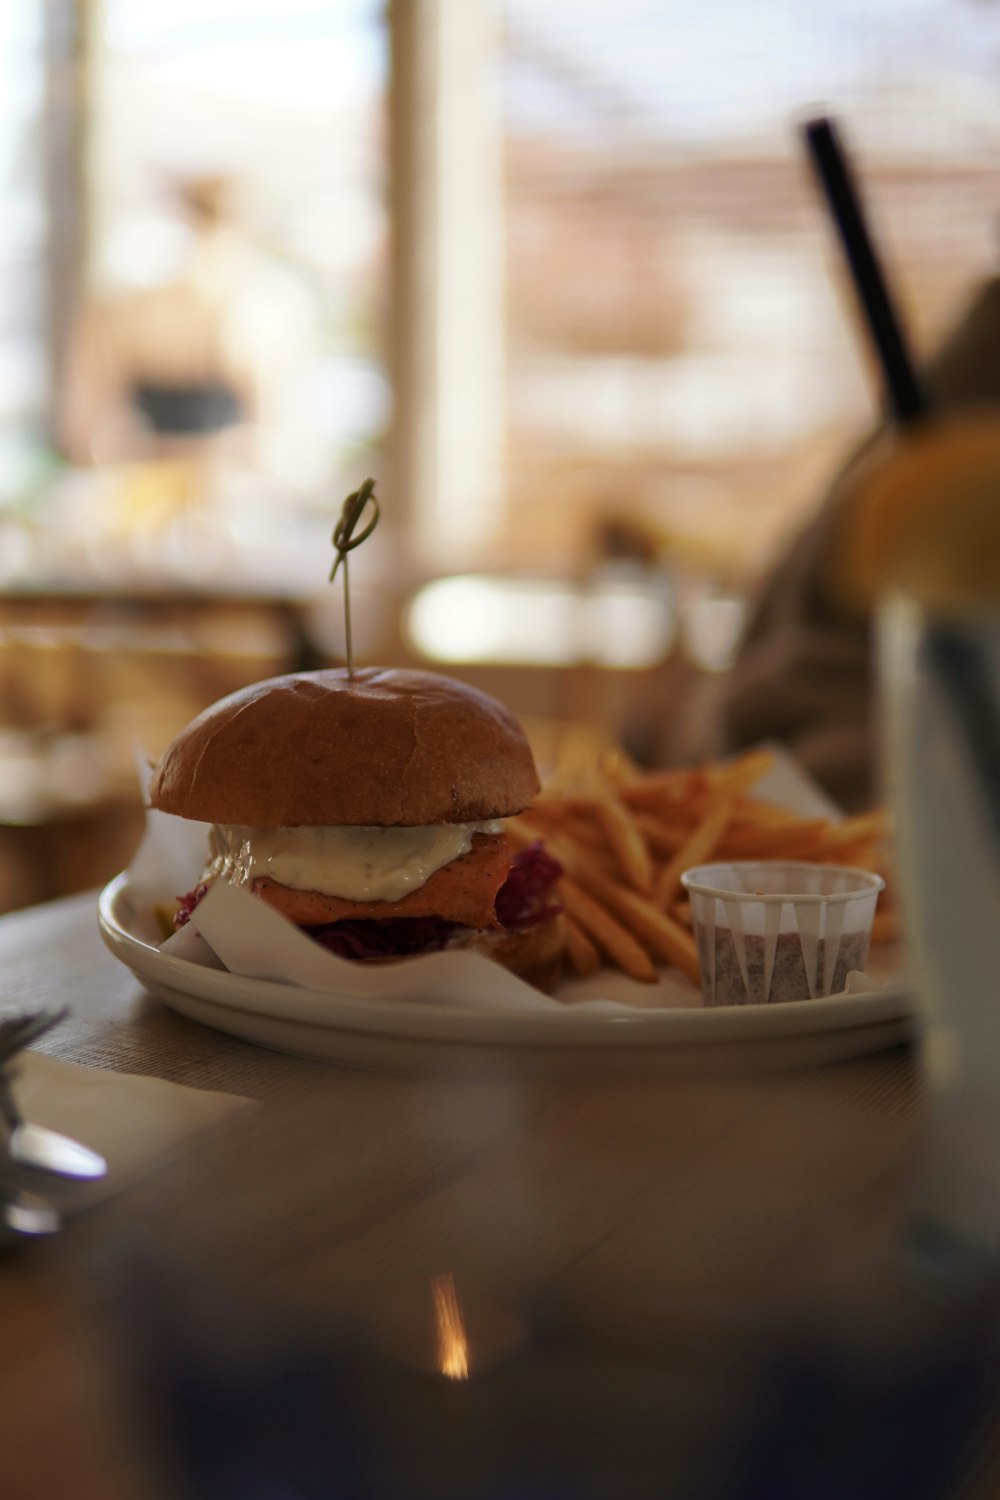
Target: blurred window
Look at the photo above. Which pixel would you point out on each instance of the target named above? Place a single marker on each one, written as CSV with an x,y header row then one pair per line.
x,y
679,350
285,105
609,622
24,375
618,330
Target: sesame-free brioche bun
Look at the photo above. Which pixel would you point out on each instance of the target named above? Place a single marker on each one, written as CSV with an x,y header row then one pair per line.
x,y
384,748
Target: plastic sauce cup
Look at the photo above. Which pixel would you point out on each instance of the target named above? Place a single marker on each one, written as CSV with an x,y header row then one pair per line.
x,y
770,931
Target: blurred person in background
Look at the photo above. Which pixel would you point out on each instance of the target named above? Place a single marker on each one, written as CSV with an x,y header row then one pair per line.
x,y
177,380
804,673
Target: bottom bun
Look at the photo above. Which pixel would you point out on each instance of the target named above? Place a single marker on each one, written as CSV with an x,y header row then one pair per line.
x,y
534,954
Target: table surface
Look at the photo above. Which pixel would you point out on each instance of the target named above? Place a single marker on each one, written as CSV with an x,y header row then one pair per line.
x,y
695,1216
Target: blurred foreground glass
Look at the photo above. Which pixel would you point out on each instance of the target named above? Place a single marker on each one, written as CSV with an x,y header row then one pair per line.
x,y
948,844
939,644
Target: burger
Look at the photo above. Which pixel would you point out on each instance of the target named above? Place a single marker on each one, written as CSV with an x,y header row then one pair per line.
x,y
370,811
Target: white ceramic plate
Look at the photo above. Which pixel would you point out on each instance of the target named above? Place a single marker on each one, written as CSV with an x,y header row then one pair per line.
x,y
408,1034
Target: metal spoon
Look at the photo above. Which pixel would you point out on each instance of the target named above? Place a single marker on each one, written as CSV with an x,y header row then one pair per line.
x,y
36,1146
45,1150
27,1213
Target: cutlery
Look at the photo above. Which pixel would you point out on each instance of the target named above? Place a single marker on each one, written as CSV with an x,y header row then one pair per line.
x,y
18,1032
35,1146
45,1150
27,1213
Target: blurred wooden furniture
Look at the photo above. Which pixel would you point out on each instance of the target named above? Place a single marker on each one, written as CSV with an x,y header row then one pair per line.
x,y
693,1233
90,676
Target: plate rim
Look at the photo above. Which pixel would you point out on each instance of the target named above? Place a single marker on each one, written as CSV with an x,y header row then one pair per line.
x,y
443,1022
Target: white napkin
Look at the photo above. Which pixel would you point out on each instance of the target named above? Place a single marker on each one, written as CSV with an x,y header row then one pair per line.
x,y
134,1122
254,940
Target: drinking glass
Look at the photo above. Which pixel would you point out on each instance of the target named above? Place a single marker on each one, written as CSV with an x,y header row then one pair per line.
x,y
940,687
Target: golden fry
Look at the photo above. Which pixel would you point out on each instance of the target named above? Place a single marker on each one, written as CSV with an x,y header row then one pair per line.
x,y
774,840
626,840
524,830
572,816
570,856
610,936
618,767
865,828
862,856
606,821
660,933
663,789
674,781
743,772
753,813
662,838
698,848
583,830
582,953
813,851
886,928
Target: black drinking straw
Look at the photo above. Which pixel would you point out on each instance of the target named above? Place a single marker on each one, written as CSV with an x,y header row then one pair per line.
x,y
905,393
951,650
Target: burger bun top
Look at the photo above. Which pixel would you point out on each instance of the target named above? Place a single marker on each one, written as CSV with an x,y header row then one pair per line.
x,y
382,748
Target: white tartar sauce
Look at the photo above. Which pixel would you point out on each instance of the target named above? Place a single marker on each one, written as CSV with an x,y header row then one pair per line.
x,y
359,864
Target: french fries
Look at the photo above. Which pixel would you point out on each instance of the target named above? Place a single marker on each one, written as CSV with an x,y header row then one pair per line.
x,y
885,926
624,838
695,851
610,936
665,938
584,955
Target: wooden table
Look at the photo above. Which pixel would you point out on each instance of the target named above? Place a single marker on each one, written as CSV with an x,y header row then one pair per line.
x,y
690,1236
